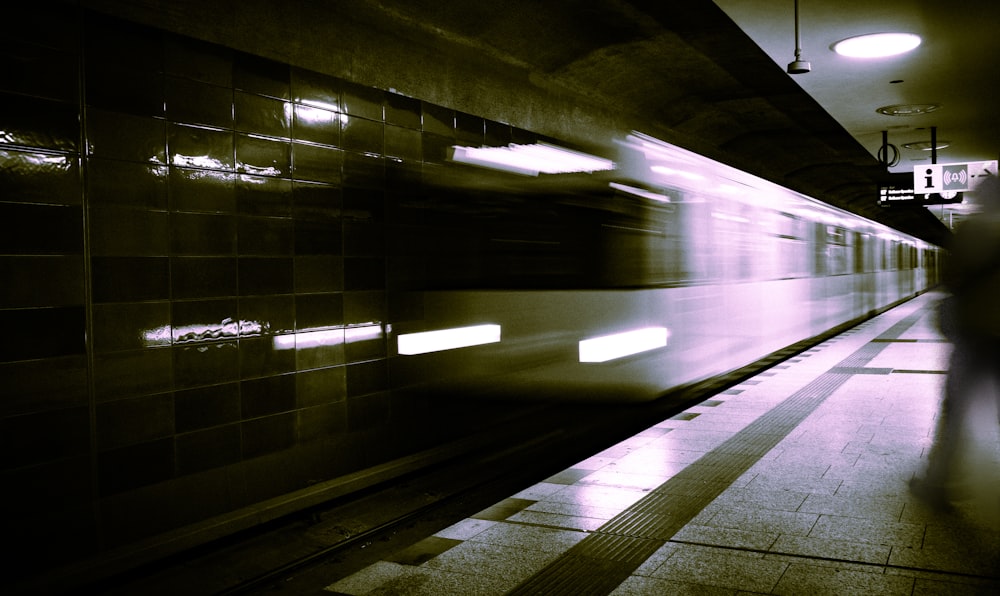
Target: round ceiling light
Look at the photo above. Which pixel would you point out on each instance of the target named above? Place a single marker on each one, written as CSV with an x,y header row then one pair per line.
x,y
876,45
913,109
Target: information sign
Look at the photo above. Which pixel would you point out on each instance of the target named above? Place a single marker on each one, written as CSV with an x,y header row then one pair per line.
x,y
951,177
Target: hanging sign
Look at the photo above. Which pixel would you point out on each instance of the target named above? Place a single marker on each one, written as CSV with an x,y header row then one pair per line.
x,y
951,177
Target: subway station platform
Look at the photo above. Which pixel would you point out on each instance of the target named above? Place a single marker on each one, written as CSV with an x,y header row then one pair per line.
x,y
793,482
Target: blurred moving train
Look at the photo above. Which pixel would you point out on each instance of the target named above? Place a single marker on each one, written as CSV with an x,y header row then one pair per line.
x,y
664,270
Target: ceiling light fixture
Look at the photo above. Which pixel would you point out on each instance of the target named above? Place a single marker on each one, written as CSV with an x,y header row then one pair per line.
x,y
913,109
876,45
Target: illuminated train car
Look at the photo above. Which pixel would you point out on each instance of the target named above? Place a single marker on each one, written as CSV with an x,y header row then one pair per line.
x,y
677,270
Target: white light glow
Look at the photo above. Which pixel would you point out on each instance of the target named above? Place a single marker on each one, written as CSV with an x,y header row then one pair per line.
x,y
652,196
679,173
876,45
619,345
330,336
448,339
531,160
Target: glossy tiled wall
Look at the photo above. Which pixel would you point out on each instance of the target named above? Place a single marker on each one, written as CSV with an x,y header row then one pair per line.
x,y
196,279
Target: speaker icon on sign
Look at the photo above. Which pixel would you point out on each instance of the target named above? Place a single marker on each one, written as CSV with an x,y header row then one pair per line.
x,y
955,178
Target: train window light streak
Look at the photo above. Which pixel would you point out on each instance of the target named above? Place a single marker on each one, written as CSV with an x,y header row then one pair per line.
x,y
531,160
619,345
645,194
447,339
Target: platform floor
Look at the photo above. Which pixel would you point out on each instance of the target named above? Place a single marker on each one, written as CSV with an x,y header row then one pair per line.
x,y
793,482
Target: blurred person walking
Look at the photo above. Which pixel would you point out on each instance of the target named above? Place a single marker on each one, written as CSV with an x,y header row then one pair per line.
x,y
970,318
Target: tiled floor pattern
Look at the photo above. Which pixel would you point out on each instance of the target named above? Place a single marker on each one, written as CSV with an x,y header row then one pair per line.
x,y
792,483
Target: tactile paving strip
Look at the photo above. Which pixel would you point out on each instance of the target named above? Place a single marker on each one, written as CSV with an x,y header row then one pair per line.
x,y
600,562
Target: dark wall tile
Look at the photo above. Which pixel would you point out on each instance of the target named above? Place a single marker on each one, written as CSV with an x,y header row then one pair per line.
x,y
201,147
363,170
267,355
262,115
131,467
35,122
498,134
261,76
403,143
319,274
362,135
41,281
365,378
268,435
34,385
202,190
198,60
402,177
113,135
438,120
266,315
364,273
436,148
126,184
28,177
321,422
265,236
129,374
366,411
261,195
206,407
365,307
110,87
118,231
362,101
199,234
36,438
138,420
129,279
194,102
205,364
207,449
40,71
203,277
127,45
316,200
321,386
40,229
268,395
319,237
42,333
403,111
318,311
265,275
364,239
320,164
469,130
131,326
316,125
260,156
316,89
364,342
